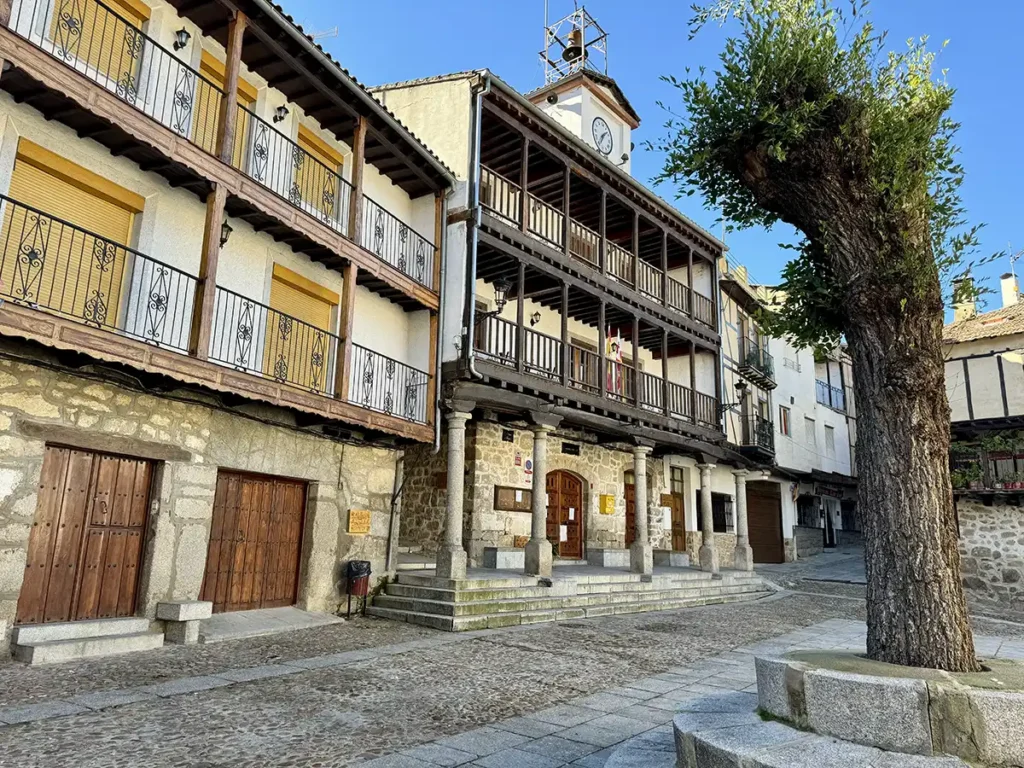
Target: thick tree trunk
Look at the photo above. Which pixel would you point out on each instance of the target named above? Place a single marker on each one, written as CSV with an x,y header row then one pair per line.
x,y
917,614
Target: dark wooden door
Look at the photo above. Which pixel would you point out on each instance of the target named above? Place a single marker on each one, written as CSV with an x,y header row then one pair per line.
x,y
565,508
255,542
764,521
85,548
630,487
674,501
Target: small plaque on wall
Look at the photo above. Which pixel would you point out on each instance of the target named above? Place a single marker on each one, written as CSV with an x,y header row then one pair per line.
x,y
520,541
607,505
359,521
508,499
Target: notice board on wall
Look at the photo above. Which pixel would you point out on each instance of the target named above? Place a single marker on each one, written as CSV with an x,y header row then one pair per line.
x,y
509,499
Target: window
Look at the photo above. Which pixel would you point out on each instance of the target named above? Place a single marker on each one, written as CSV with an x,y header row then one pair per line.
x,y
316,176
721,511
206,112
807,513
810,433
300,310
830,442
783,420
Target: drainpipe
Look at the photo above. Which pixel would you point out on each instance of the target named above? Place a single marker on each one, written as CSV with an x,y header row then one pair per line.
x,y
474,165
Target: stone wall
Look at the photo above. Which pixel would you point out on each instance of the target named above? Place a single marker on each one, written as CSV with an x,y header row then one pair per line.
x,y
725,543
809,541
849,538
992,548
424,496
189,441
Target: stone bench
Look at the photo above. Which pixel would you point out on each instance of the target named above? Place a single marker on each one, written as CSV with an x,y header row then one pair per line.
x,y
181,619
505,558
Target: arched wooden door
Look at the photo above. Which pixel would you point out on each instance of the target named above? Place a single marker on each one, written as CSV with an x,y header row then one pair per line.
x,y
565,512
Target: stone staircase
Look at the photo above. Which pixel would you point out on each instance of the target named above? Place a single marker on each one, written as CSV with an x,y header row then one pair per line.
x,y
484,601
68,641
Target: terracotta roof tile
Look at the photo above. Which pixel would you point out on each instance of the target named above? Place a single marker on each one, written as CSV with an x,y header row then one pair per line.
x,y
1007,321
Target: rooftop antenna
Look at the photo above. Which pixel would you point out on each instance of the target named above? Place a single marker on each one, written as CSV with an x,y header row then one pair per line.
x,y
573,43
1013,260
323,34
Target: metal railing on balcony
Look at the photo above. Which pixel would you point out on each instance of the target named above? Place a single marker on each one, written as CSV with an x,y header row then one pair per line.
x,y
620,263
398,244
759,432
546,221
51,264
754,356
281,165
500,195
380,383
253,337
833,397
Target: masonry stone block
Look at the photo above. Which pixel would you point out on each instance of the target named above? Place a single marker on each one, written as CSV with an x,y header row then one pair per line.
x,y
504,558
184,610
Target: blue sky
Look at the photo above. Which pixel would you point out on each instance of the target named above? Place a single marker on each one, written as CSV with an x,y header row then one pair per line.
x,y
389,40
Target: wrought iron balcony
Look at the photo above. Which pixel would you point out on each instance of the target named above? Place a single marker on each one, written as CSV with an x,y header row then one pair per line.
x,y
758,436
755,363
833,397
99,43
52,265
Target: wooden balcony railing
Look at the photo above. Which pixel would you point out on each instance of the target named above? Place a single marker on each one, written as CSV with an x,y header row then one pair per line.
x,y
706,410
542,354
497,339
584,243
52,265
98,42
584,373
621,383
500,195
652,391
546,221
620,263
680,401
648,280
678,296
703,310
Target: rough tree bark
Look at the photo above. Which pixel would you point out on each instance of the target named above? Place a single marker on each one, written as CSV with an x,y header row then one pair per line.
x,y
917,613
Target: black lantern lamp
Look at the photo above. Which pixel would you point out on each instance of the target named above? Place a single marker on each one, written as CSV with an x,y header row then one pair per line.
x,y
280,113
181,38
225,233
501,289
741,390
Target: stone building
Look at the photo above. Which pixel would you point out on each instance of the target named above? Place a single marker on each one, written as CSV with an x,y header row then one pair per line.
x,y
221,276
985,386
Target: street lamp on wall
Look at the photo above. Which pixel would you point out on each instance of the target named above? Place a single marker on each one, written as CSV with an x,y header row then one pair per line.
x,y
741,391
280,113
501,289
225,233
534,319
181,38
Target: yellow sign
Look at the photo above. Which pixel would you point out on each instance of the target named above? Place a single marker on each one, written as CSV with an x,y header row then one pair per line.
x,y
359,521
607,504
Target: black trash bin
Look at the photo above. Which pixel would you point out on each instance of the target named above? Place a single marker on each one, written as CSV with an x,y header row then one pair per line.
x,y
357,576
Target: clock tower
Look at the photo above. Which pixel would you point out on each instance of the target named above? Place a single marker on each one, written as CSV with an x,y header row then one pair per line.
x,y
579,94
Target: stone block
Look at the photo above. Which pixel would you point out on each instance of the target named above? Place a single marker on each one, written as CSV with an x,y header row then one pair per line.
x,y
668,558
729,747
538,557
999,717
182,632
504,558
773,692
184,610
890,713
641,558
608,558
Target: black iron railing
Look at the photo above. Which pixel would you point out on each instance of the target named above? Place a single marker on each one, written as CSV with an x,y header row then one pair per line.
x,y
754,356
51,264
253,337
833,397
395,242
380,383
759,432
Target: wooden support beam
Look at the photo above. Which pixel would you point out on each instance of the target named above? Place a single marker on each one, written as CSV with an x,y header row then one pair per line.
x,y
604,231
636,360
520,318
689,281
355,205
664,372
602,352
228,116
693,384
566,185
565,333
524,194
636,247
664,267
206,283
343,367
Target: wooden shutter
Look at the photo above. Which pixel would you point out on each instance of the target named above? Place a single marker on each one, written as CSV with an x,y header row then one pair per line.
x,y
295,344
81,273
317,181
108,41
206,116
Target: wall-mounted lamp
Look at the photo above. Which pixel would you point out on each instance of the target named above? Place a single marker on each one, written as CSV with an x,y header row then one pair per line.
x,y
501,289
741,391
181,38
280,113
225,233
534,319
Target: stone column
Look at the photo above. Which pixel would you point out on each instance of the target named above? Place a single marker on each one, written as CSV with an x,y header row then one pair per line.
x,y
641,556
538,548
451,558
708,553
743,559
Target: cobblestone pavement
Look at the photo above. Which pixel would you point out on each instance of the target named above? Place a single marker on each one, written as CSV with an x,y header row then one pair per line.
x,y
843,565
553,694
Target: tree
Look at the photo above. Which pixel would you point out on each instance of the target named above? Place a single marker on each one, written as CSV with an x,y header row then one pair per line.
x,y
811,121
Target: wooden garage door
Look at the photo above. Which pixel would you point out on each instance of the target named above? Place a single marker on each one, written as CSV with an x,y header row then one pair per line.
x,y
255,541
764,518
85,547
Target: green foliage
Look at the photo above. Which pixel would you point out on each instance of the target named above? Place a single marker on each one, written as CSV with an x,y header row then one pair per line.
x,y
803,74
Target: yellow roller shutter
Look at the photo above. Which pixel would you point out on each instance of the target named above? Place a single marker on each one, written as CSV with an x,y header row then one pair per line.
x,y
109,42
299,352
204,123
317,181
58,266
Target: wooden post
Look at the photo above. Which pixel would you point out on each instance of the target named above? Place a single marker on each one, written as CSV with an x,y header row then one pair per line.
x,y
343,368
520,319
228,115
636,247
566,195
636,360
664,371
565,334
693,383
206,282
5,12
439,233
664,267
604,231
689,280
524,194
602,353
432,370
355,208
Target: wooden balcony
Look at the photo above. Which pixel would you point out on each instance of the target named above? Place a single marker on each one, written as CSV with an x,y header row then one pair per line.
x,y
66,287
145,103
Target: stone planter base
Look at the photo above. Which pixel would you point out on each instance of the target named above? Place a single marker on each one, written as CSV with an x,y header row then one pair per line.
x,y
979,717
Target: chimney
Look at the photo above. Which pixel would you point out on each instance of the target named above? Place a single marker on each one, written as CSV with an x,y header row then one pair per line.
x,y
1010,289
964,307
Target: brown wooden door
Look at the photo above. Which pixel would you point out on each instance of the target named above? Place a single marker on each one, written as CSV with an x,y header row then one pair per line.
x,y
255,542
85,548
565,507
630,487
675,500
764,520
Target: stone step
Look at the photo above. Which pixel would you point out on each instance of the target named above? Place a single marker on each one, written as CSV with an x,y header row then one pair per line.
x,y
70,630
425,580
491,621
73,649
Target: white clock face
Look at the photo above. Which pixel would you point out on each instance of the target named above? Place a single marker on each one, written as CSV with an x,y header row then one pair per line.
x,y
602,136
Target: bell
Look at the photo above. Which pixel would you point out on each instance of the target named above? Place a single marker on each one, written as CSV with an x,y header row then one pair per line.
x,y
575,47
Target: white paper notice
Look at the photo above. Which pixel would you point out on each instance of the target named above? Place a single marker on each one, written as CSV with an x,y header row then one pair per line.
x,y
563,533
519,496
572,513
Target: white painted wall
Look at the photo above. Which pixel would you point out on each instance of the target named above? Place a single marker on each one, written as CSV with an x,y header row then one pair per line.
x,y
983,379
